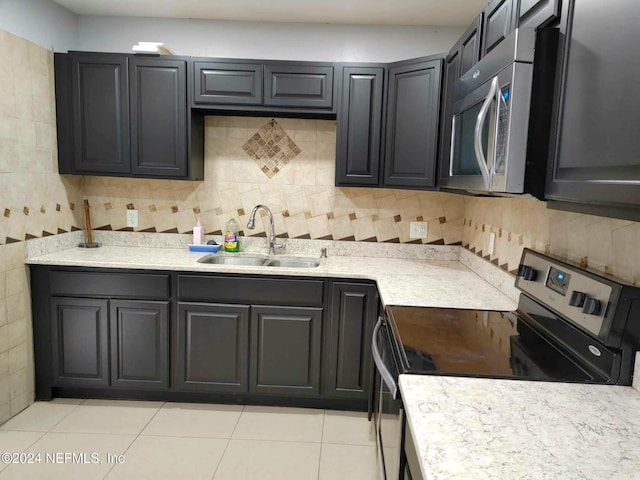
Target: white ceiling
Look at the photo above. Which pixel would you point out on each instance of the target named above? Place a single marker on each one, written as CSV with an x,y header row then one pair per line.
x,y
371,12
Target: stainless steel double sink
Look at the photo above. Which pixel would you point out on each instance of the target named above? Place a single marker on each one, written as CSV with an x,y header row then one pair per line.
x,y
260,260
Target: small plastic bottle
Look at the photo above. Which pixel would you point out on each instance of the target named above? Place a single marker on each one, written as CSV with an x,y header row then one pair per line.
x,y
198,237
231,240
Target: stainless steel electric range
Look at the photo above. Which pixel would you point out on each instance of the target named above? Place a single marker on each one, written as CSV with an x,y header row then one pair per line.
x,y
571,325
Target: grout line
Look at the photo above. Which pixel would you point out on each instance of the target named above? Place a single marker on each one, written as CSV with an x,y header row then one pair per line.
x,y
228,442
324,416
134,440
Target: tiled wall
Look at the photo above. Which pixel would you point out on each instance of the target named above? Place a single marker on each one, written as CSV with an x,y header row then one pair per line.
x,y
288,165
34,201
604,244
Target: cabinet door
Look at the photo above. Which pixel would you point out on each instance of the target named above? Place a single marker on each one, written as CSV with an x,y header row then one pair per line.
x,y
298,86
80,343
498,23
158,117
285,350
353,314
139,344
359,126
413,111
451,76
470,46
597,141
227,83
212,342
537,13
100,106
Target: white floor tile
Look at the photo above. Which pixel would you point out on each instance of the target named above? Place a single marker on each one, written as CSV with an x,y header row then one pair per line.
x,y
16,442
279,423
194,420
259,460
348,462
159,458
70,443
41,416
109,416
349,428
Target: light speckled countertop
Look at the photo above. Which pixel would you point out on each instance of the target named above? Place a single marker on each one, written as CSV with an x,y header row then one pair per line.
x,y
472,428
401,281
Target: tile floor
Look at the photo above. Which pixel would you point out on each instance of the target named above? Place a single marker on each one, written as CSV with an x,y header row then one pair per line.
x,y
159,440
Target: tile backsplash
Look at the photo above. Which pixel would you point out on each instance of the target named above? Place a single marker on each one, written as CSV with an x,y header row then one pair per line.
x,y
288,165
35,202
607,245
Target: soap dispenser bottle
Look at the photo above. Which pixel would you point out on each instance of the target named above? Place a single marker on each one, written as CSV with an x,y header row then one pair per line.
x,y
198,237
231,240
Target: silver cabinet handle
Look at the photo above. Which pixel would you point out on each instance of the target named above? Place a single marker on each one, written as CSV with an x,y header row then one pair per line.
x,y
377,359
477,138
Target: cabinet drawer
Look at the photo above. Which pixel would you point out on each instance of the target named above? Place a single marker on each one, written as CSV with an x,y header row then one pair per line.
x,y
298,86
227,83
263,291
130,285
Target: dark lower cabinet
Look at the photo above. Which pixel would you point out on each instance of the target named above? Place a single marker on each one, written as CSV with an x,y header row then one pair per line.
x,y
211,344
348,360
79,336
158,107
285,350
413,113
596,166
359,126
139,344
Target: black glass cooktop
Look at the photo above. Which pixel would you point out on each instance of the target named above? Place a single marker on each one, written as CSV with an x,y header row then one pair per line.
x,y
480,343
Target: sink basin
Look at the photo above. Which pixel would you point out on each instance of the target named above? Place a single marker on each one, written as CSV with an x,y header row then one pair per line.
x,y
250,260
293,263
261,260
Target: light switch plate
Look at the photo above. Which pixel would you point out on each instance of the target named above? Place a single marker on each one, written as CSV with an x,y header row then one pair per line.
x,y
418,230
132,218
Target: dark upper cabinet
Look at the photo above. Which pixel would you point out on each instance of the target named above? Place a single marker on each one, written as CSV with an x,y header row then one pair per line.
x,y
359,126
80,343
212,347
353,315
227,83
139,344
158,106
537,13
298,86
285,350
469,46
498,22
126,115
99,91
595,153
413,112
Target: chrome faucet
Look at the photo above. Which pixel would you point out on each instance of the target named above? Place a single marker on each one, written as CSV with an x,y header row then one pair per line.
x,y
272,235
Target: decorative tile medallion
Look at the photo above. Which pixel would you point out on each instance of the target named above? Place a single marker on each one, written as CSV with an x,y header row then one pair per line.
x,y
271,148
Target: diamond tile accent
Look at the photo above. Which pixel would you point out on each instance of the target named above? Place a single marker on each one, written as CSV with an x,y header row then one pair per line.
x,y
271,148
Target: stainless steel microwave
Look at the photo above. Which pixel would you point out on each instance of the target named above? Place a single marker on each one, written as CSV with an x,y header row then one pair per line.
x,y
490,125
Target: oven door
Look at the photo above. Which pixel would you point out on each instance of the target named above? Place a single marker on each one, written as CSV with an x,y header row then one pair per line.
x,y
388,411
489,134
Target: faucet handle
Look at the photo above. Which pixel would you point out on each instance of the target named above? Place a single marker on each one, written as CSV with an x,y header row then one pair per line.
x,y
282,245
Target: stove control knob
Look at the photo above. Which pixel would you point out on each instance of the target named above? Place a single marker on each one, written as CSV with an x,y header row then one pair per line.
x,y
577,299
591,306
527,273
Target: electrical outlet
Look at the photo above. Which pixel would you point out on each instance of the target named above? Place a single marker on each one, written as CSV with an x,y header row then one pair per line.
x,y
492,242
132,218
418,230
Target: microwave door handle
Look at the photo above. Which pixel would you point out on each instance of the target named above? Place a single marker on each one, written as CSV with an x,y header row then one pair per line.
x,y
387,378
477,138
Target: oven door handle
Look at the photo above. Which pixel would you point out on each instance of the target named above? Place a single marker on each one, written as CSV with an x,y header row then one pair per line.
x,y
477,137
385,374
